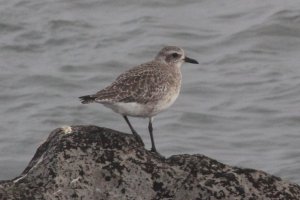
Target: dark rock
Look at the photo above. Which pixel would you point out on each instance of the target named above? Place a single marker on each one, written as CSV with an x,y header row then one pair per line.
x,y
89,162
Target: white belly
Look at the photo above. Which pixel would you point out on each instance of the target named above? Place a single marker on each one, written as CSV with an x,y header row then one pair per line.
x,y
143,110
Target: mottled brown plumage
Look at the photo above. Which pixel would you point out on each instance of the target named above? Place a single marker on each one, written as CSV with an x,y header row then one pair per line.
x,y
147,83
145,90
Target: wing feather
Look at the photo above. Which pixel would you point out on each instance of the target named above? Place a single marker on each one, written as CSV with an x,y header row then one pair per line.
x,y
140,84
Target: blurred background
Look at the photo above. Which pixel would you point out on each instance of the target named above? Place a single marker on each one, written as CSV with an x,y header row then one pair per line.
x,y
241,105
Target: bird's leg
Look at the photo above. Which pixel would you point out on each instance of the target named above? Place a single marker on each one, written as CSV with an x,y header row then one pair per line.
x,y
135,134
150,128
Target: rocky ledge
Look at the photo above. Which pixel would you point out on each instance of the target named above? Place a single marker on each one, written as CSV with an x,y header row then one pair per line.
x,y
89,162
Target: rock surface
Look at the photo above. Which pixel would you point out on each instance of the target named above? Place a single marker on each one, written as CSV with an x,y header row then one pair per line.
x,y
89,162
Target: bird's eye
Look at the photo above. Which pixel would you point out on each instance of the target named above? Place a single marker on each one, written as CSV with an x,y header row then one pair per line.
x,y
175,55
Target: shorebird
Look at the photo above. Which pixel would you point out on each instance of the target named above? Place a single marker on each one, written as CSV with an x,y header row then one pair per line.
x,y
145,90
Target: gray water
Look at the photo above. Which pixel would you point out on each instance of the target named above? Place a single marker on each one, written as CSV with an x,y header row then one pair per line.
x,y
241,105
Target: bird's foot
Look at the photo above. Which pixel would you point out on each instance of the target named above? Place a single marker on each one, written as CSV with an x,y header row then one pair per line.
x,y
156,153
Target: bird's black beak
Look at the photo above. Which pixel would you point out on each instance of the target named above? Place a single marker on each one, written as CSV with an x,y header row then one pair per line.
x,y
190,60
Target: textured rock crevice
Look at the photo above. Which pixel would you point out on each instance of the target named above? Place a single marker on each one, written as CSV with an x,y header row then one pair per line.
x,y
89,162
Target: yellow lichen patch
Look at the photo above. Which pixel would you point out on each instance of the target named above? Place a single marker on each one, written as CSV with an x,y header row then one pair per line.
x,y
66,129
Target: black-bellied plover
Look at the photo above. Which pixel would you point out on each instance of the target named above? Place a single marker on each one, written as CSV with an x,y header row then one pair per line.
x,y
145,90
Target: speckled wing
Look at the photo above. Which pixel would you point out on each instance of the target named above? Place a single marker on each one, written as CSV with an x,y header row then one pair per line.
x,y
140,84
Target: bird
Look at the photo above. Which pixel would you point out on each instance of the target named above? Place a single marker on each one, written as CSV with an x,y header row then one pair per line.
x,y
145,90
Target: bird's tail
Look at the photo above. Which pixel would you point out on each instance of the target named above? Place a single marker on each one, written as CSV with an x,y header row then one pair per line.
x,y
87,99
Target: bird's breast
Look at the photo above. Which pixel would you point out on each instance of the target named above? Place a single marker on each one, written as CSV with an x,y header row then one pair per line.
x,y
167,100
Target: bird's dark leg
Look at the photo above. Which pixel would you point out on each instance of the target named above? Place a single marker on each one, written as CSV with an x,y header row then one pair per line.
x,y
135,134
150,128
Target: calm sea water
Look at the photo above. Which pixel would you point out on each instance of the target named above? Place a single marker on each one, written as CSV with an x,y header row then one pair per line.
x,y
241,105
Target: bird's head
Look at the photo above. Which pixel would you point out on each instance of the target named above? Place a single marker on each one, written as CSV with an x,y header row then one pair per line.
x,y
174,55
